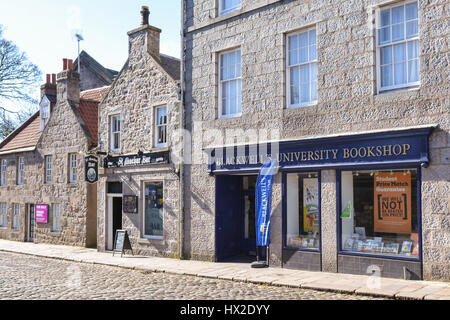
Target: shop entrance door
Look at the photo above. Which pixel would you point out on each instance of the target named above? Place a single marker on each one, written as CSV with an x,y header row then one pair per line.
x,y
31,222
117,215
249,243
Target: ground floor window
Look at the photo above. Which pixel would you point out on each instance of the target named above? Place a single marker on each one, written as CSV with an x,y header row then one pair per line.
x,y
3,215
153,209
302,210
16,218
379,212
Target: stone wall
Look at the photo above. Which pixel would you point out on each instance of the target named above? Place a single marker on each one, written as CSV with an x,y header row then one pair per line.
x,y
347,96
142,85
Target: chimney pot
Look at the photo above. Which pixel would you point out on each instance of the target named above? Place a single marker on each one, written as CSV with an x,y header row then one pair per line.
x,y
48,78
145,12
65,64
70,66
54,78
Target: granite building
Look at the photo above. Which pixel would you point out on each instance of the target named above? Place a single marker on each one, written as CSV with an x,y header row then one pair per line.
x,y
44,197
351,97
139,121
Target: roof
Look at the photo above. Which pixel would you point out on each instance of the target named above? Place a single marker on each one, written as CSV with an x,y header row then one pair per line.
x,y
88,110
25,136
171,65
95,94
106,75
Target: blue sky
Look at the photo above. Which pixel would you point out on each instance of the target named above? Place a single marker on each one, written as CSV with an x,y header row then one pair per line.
x,y
45,29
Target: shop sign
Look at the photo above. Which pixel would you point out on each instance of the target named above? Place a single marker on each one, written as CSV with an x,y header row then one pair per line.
x,y
409,146
136,160
41,213
392,207
91,169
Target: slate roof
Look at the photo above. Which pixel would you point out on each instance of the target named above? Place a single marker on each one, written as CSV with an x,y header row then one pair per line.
x,y
171,65
106,75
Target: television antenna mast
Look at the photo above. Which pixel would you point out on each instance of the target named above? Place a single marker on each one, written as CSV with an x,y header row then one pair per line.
x,y
79,38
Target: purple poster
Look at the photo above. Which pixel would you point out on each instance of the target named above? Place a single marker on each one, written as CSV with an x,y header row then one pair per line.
x,y
41,213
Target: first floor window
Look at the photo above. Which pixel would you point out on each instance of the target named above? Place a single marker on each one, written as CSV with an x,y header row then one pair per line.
x,y
115,133
302,219
20,171
73,168
379,212
3,173
48,169
154,213
16,218
227,6
3,215
230,84
398,46
161,127
56,218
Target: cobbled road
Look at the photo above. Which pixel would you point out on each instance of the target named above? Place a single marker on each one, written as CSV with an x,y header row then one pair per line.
x,y
24,277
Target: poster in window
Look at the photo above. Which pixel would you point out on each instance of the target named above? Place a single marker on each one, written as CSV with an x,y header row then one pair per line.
x,y
310,205
130,204
392,202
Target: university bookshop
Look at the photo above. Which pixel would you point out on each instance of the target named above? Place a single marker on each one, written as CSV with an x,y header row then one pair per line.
x,y
378,196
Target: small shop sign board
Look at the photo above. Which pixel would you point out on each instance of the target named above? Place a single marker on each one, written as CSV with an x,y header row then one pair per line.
x,y
392,209
130,204
41,213
122,242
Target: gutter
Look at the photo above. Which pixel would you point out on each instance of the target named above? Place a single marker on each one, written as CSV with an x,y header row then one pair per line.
x,y
27,149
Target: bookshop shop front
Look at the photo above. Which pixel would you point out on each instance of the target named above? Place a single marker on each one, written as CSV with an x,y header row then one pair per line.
x,y
352,202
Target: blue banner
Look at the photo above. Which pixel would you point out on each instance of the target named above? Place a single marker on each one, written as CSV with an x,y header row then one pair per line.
x,y
264,203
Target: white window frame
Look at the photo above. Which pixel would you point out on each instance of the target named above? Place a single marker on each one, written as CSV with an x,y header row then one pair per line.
x,y
16,216
56,215
48,169
20,171
223,11
379,47
73,168
150,237
239,79
288,73
113,133
3,169
157,126
3,215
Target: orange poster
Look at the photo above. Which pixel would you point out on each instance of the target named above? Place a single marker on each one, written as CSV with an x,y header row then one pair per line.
x,y
392,202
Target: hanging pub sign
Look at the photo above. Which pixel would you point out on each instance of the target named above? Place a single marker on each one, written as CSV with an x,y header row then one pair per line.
x,y
392,208
136,160
130,204
91,169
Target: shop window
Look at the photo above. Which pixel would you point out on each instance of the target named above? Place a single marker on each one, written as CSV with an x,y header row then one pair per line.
x,y
303,214
20,170
56,218
302,68
154,213
3,215
228,6
379,213
16,217
230,87
161,127
398,46
3,173
48,169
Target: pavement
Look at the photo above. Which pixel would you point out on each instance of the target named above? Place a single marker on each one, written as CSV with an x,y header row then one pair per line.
x,y
242,272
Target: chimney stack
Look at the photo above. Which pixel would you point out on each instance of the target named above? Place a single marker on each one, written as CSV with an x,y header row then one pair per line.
x,y
49,87
150,33
68,83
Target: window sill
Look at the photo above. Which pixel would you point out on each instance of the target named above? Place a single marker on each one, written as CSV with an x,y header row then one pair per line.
x,y
231,116
147,240
297,106
314,250
413,87
378,256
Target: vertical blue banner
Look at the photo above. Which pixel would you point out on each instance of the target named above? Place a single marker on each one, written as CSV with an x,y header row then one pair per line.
x,y
264,203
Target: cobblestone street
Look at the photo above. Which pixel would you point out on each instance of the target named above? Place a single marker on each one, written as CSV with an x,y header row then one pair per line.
x,y
28,277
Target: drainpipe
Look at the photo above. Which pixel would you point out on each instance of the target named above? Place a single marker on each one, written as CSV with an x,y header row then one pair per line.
x,y
181,158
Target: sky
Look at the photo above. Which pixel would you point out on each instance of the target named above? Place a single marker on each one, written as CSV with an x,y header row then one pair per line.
x,y
45,29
